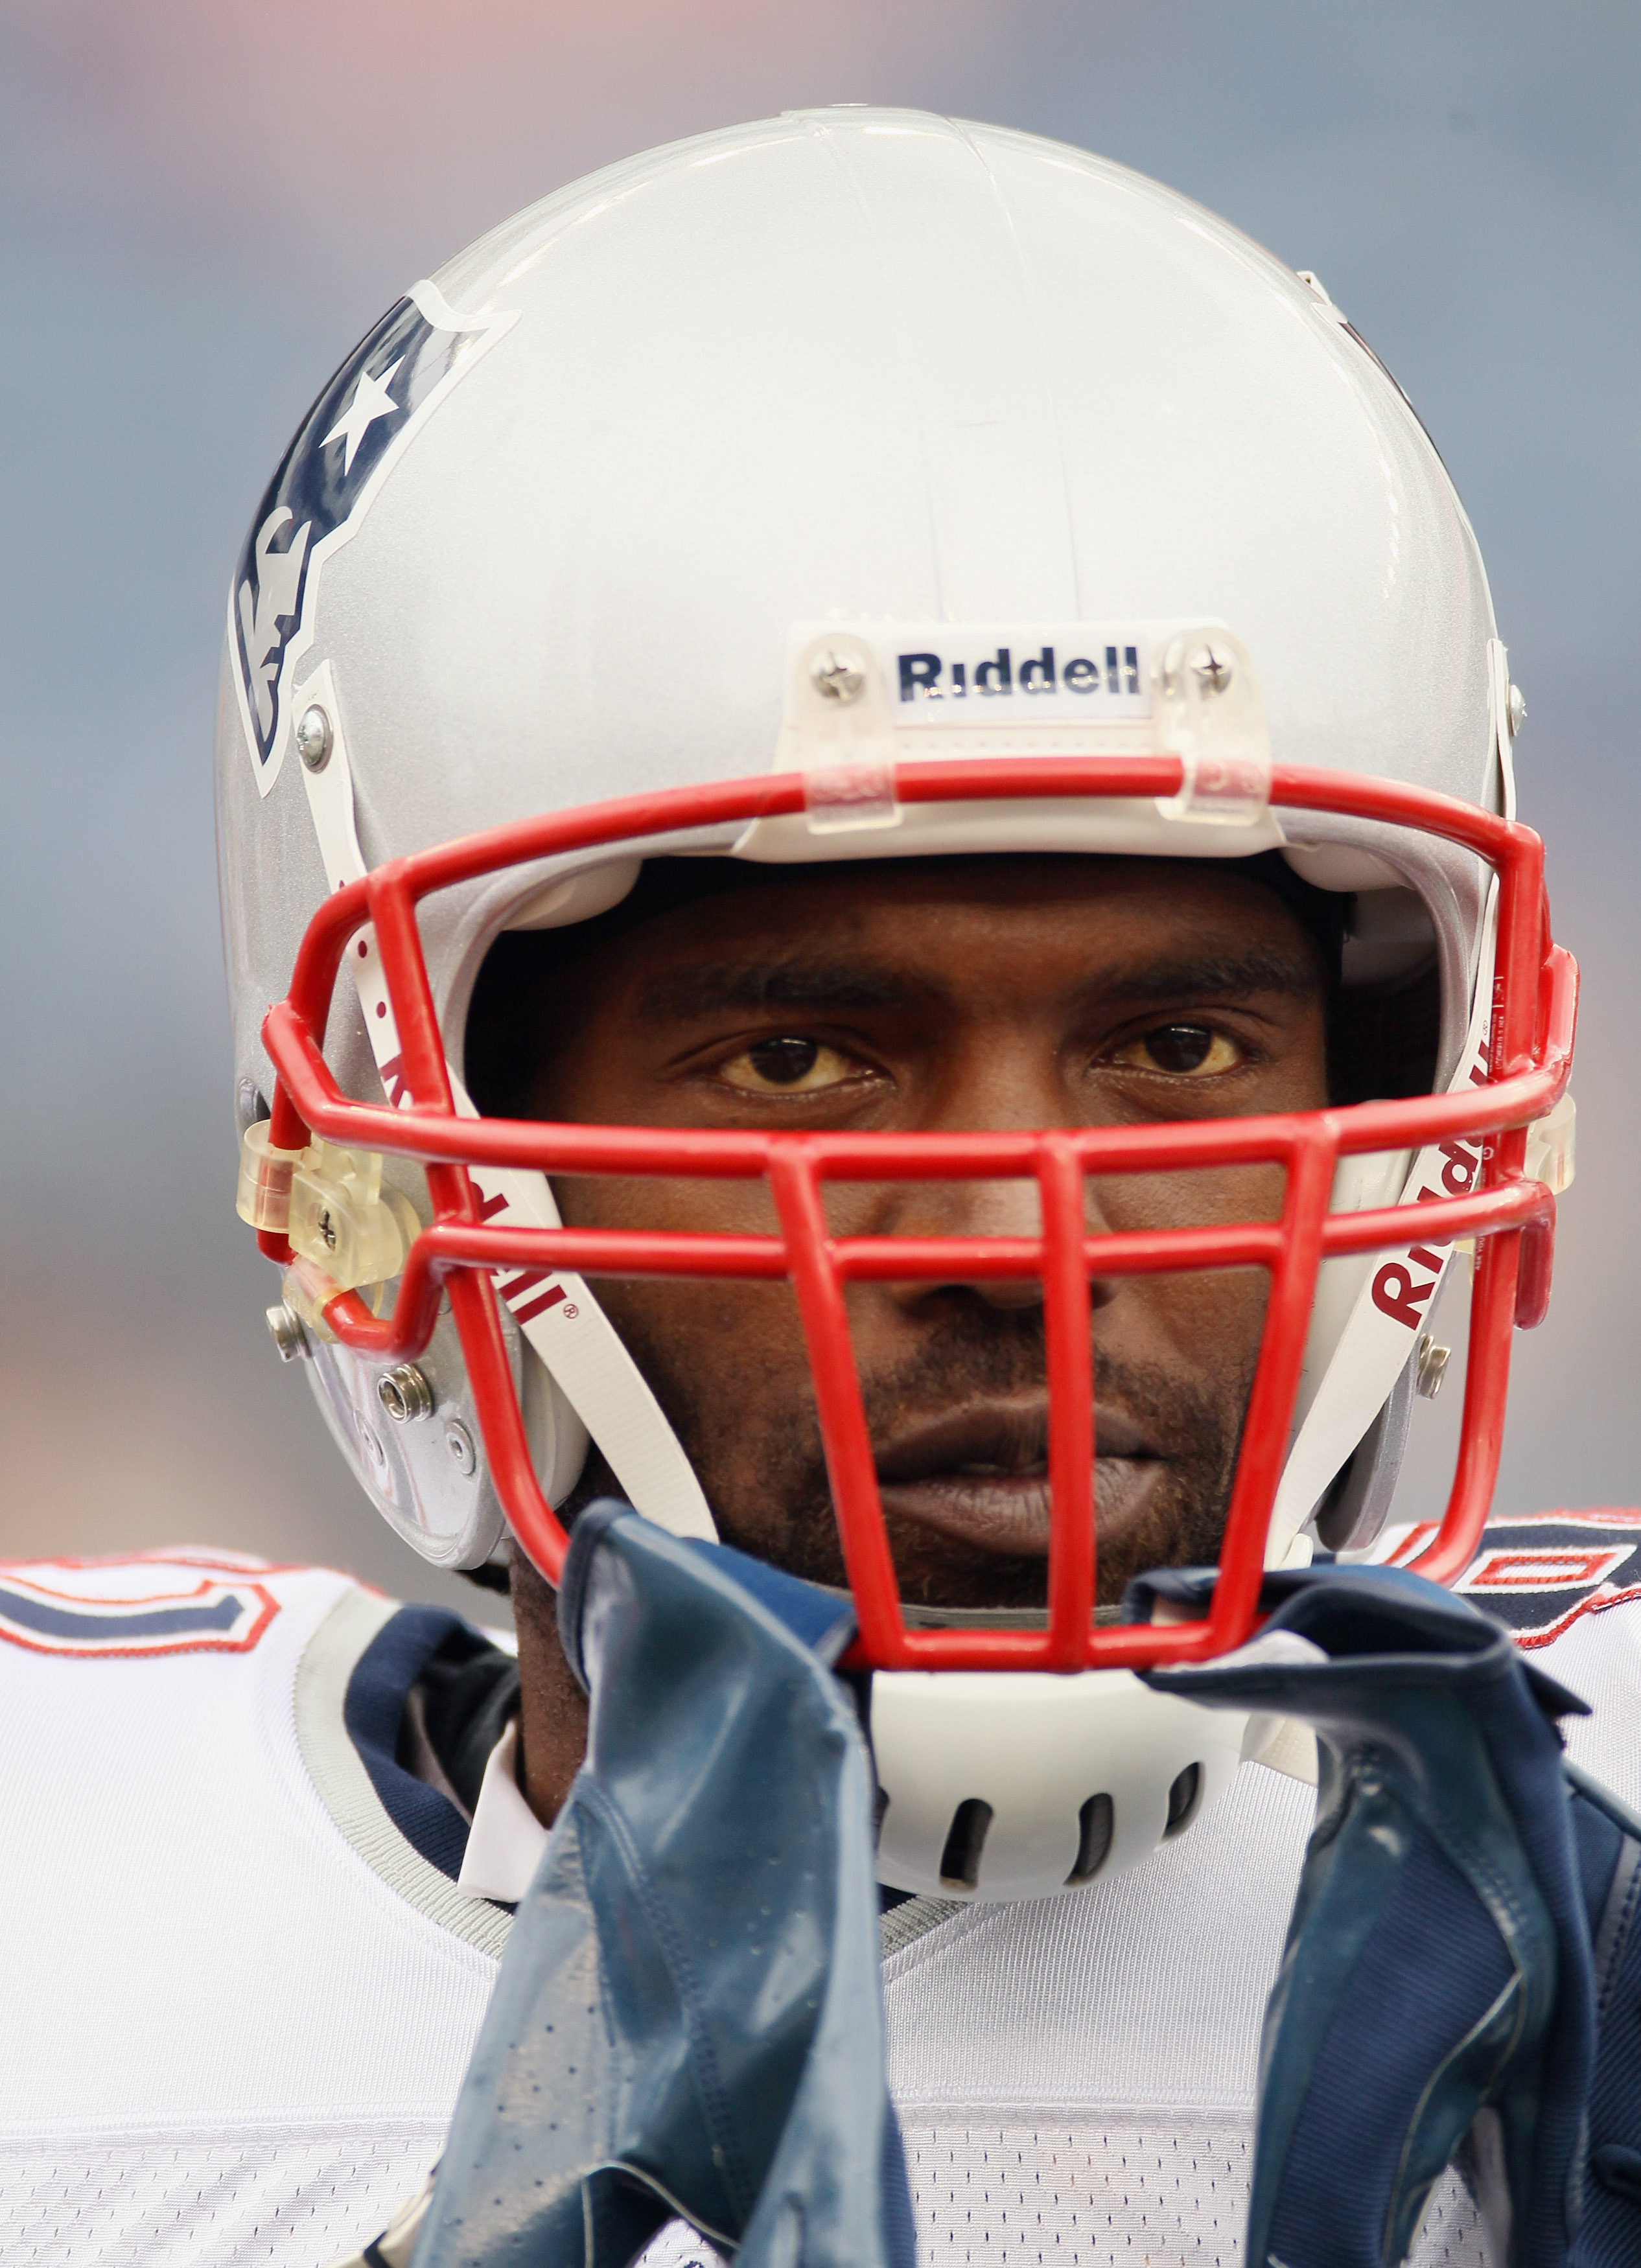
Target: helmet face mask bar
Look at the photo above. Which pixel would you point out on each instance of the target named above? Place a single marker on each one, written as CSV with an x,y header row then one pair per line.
x,y
461,1254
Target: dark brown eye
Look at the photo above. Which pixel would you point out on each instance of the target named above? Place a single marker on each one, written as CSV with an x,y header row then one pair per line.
x,y
796,1065
783,1061
1182,1050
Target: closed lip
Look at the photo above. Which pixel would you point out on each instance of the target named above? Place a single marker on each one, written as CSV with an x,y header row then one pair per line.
x,y
980,1474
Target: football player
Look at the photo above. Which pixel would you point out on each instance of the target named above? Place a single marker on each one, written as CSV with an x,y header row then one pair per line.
x,y
873,901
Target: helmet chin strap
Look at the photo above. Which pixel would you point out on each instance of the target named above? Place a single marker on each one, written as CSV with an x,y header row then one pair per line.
x,y
557,1315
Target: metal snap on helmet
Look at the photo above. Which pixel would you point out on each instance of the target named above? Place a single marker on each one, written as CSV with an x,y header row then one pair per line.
x,y
857,484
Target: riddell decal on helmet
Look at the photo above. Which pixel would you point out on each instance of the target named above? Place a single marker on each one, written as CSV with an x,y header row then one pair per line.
x,y
1403,1285
1109,672
343,450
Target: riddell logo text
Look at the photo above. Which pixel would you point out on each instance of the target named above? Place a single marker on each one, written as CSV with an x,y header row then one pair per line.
x,y
929,677
1402,1287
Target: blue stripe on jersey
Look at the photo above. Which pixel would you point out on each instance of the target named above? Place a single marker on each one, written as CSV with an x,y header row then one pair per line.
x,y
46,1621
372,1713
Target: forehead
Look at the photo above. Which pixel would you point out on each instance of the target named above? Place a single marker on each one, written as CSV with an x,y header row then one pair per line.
x,y
915,913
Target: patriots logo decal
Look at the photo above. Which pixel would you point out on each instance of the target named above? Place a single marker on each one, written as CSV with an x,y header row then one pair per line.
x,y
1539,1573
344,449
132,1607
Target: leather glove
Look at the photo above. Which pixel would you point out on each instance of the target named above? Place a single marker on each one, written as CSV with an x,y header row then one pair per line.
x,y
689,2016
1437,1990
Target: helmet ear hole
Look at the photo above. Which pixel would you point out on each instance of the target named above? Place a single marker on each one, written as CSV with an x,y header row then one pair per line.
x,y
1096,1822
966,1840
1354,1509
1184,1795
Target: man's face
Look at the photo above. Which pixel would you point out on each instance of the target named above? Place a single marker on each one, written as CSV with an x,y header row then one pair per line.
x,y
945,995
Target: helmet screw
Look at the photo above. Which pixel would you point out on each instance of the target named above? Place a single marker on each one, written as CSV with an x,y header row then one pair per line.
x,y
1433,1367
1211,668
1517,711
459,1441
284,1327
404,1393
836,677
314,738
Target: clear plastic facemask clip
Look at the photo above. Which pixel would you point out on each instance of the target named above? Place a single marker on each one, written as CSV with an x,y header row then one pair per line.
x,y
330,1202
1210,714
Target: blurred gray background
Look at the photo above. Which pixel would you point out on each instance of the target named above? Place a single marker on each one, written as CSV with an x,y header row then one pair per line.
x,y
202,207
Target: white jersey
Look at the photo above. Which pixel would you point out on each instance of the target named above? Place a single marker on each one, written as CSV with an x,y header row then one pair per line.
x,y
236,2005
238,1999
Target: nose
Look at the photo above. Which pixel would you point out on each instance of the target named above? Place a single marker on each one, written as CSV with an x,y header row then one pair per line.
x,y
989,1209
1005,1080
983,1209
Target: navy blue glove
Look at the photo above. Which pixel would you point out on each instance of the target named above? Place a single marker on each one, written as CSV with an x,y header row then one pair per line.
x,y
1436,1994
689,2017
1608,1836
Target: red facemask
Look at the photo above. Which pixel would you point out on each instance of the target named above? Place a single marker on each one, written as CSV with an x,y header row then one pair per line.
x,y
1512,1218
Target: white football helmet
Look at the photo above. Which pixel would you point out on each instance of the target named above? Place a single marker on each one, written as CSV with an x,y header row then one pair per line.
x,y
865,483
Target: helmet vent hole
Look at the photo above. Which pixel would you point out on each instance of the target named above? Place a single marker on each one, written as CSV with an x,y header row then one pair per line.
x,y
1183,1797
1094,1825
879,1811
966,1840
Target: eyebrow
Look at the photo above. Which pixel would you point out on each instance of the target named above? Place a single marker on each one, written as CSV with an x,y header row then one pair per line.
x,y
710,987
1217,977
845,988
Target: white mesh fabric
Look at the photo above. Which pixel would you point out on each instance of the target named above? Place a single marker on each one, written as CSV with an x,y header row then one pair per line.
x,y
1054,2192
1126,2187
1054,2189
1130,2188
294,2196
1599,1658
679,2246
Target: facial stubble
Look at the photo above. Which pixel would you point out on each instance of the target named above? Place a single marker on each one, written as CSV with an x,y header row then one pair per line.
x,y
755,1443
